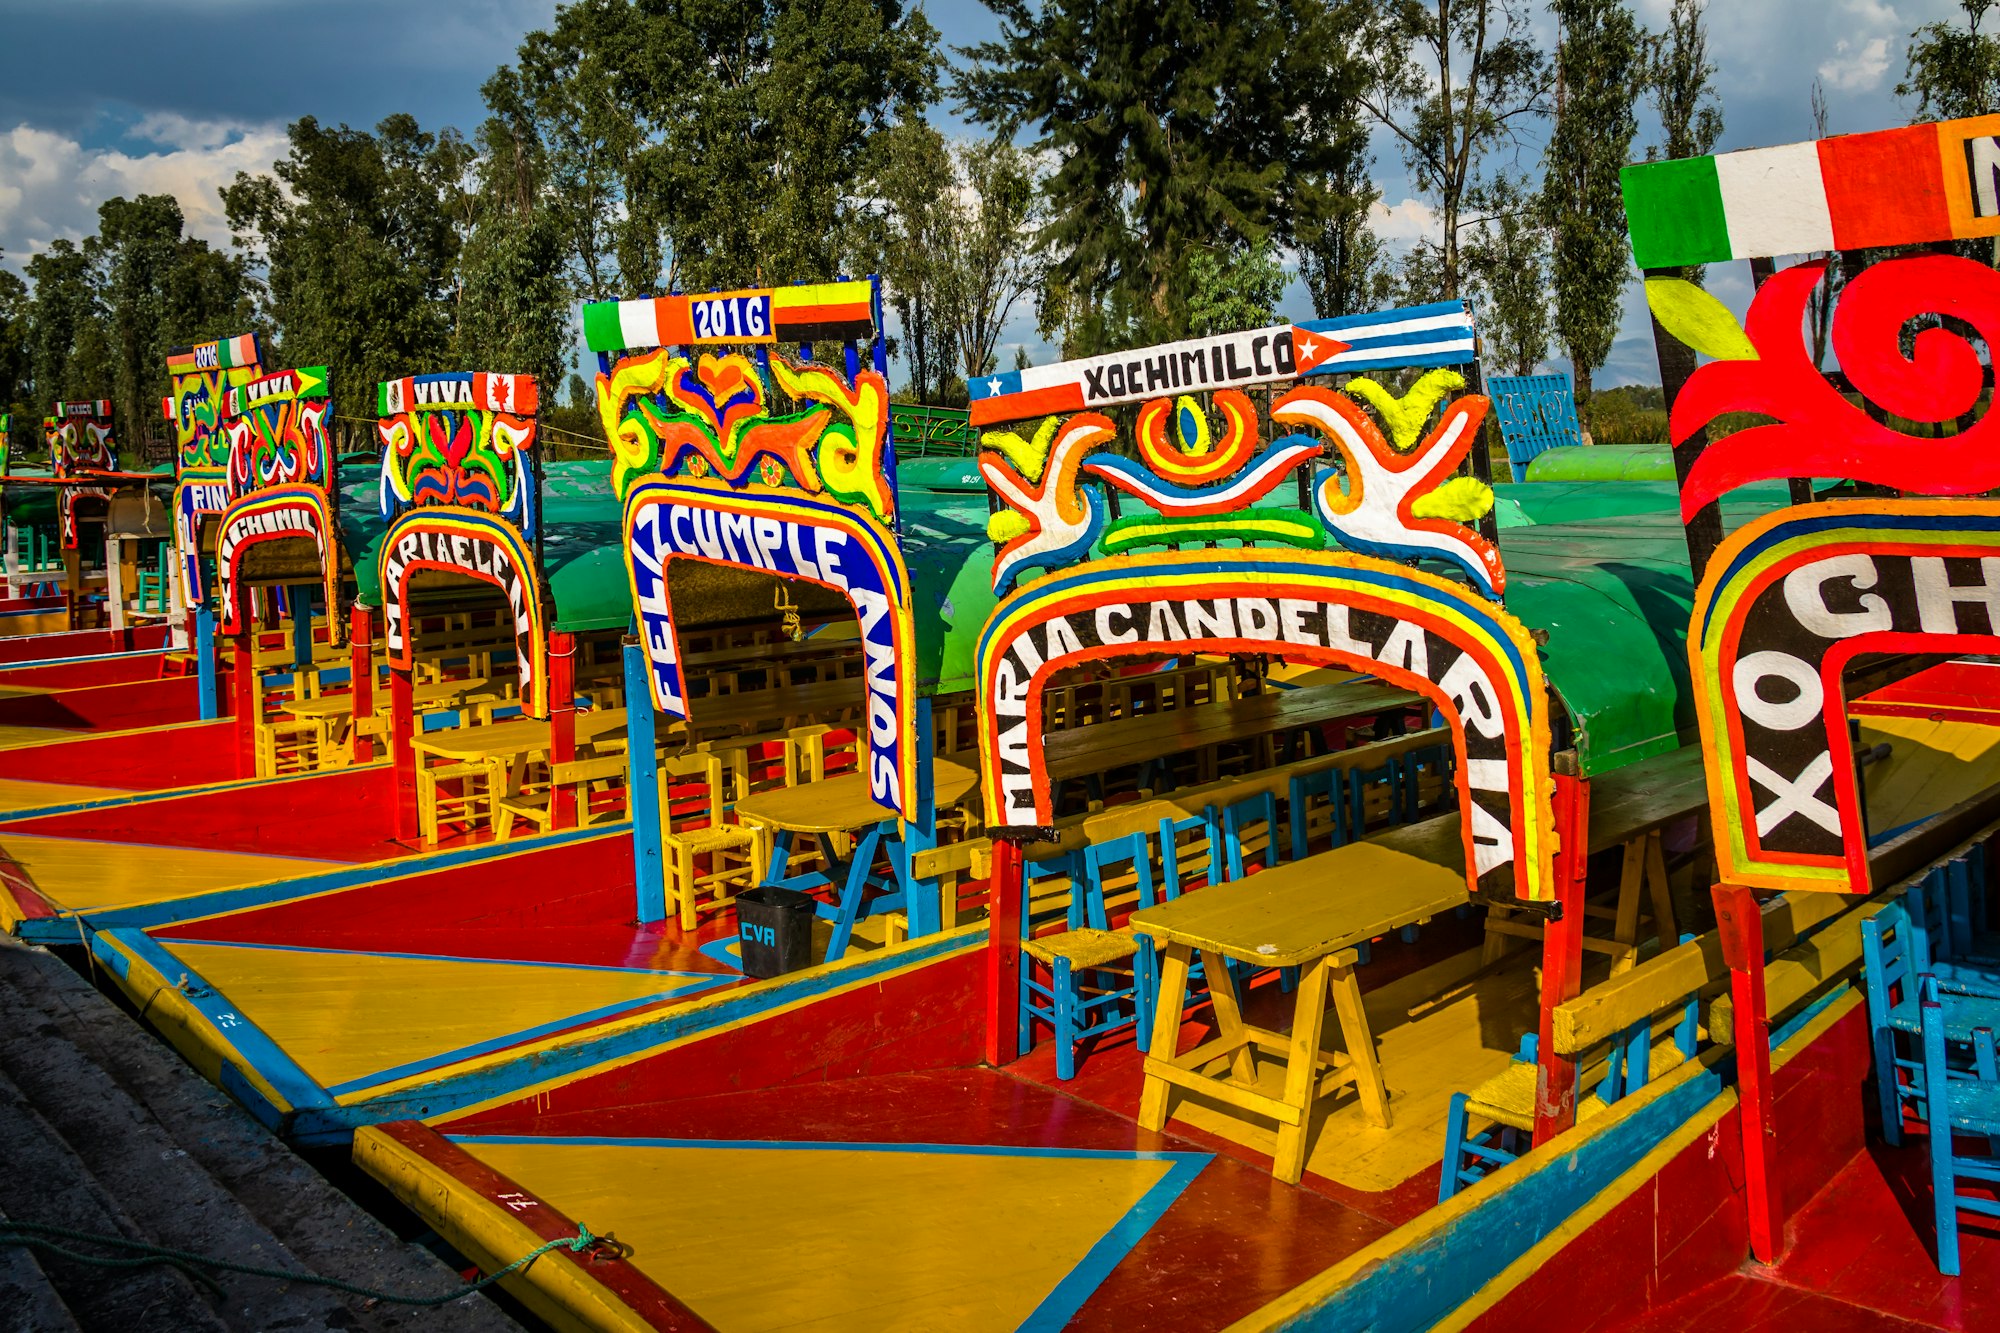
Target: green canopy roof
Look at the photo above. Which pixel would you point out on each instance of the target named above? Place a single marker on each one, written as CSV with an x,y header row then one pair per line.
x,y
1615,594
944,544
1604,462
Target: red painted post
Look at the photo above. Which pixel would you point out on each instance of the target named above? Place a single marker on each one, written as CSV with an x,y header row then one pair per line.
x,y
361,664
1003,955
402,731
1740,921
562,722
243,692
1562,957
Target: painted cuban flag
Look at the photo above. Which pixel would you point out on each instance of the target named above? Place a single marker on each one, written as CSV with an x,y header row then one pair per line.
x,y
1428,335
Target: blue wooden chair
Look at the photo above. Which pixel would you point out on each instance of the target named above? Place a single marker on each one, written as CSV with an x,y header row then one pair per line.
x,y
1310,793
1960,1103
1387,776
1094,984
1507,1100
1438,761
1893,959
1944,939
1536,413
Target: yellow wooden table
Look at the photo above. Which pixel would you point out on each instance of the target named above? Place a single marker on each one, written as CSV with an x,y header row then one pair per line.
x,y
521,738
329,715
841,805
1307,914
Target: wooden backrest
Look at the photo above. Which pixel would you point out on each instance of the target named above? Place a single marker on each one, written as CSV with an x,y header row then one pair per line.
x,y
702,765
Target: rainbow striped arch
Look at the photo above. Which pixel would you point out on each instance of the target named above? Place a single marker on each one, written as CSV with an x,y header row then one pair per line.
x,y
1789,600
1413,629
278,514
472,546
794,535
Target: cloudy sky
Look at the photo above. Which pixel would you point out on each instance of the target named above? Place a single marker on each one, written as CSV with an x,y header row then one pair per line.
x,y
107,97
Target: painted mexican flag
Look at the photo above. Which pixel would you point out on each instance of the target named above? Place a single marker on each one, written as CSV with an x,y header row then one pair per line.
x,y
1853,191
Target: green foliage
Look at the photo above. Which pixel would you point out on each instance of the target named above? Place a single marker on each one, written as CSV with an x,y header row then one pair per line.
x,y
1600,69
514,302
1341,261
1174,129
16,366
1233,289
1680,80
1954,72
1508,261
104,314
1630,414
359,236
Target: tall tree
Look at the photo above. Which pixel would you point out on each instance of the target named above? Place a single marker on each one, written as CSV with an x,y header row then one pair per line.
x,y
358,237
16,365
68,353
1819,306
899,237
1174,130
158,289
1342,262
730,131
1508,260
1681,83
1954,72
1600,68
989,259
514,297
1454,81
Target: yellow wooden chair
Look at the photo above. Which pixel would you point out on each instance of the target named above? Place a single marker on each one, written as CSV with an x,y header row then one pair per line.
x,y
287,745
737,856
535,802
437,807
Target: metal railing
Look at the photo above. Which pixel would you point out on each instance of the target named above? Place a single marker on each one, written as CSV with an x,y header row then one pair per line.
x,y
932,432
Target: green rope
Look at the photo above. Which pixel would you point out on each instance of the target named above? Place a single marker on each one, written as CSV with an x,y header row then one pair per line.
x,y
36,1236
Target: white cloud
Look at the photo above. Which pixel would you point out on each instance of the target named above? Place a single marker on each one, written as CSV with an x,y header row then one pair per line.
x,y
1856,69
1410,220
51,185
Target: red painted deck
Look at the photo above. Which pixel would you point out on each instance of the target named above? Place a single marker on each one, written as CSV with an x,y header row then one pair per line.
x,y
1861,1258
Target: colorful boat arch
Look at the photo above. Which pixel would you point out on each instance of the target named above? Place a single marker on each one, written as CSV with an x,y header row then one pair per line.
x,y
1414,629
783,532
279,473
475,546
199,378
1789,601
461,494
708,472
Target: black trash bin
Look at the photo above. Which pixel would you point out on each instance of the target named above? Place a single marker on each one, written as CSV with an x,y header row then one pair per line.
x,y
777,929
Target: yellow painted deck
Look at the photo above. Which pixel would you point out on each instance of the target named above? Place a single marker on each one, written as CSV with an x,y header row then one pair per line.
x,y
1932,766
1439,1031
18,795
81,875
838,1237
356,1021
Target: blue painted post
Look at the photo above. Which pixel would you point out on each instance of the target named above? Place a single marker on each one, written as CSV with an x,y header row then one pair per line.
x,y
204,657
643,787
301,602
921,906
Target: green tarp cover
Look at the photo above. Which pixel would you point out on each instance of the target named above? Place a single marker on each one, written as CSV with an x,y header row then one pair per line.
x,y
1519,505
944,544
1615,595
1604,462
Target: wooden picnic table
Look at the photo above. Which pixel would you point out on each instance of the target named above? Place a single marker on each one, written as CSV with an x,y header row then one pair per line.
x,y
1104,746
443,693
754,708
520,738
842,805
1310,915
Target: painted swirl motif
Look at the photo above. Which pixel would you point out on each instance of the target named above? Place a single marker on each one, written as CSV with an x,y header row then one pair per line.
x,y
1817,431
468,457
